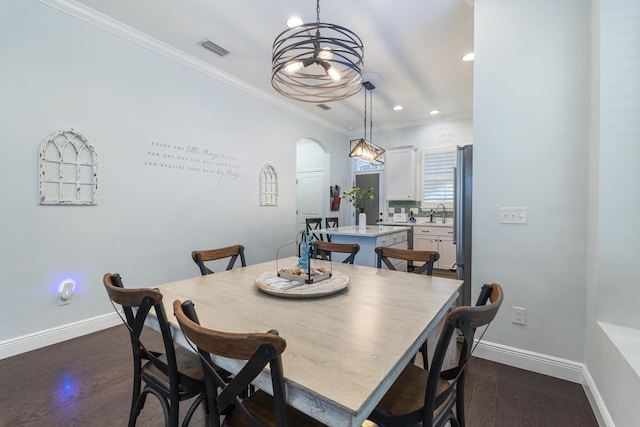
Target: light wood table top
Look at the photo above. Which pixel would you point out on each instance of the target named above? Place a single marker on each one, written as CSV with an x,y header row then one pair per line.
x,y
344,350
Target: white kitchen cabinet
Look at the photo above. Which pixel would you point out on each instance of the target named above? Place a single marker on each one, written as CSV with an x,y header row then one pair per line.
x,y
398,241
400,173
440,239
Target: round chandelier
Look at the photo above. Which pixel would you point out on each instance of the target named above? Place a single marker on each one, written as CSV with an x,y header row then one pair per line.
x,y
317,62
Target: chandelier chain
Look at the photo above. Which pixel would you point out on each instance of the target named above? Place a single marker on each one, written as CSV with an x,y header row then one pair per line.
x,y
318,11
371,117
365,113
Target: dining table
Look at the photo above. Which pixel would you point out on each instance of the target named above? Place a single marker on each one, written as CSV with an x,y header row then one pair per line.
x,y
345,345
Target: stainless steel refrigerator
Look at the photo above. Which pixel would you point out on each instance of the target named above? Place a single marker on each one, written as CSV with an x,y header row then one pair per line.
x,y
462,205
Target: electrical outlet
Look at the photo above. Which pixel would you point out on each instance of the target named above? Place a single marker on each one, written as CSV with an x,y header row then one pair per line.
x,y
518,315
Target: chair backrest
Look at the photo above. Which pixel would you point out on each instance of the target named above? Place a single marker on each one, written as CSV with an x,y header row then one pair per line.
x,y
143,299
258,349
384,254
465,319
323,250
200,257
331,222
314,224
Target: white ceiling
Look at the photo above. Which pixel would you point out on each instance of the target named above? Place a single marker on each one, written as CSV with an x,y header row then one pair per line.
x,y
413,49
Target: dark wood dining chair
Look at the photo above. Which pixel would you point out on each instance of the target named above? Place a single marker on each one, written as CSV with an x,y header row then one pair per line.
x,y
173,374
331,222
385,254
428,397
323,250
224,395
314,224
232,252
483,298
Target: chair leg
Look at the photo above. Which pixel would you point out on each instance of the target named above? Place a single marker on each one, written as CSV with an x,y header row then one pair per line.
x,y
192,409
166,409
210,396
137,407
174,408
137,385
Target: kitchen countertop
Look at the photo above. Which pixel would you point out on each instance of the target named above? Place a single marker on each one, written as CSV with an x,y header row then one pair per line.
x,y
370,231
418,222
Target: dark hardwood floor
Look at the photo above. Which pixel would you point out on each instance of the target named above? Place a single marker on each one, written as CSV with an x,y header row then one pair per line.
x,y
86,382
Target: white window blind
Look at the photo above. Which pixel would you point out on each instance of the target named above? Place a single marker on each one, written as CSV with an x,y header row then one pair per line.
x,y
437,175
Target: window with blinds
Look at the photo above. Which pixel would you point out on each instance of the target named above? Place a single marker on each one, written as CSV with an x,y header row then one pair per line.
x,y
437,176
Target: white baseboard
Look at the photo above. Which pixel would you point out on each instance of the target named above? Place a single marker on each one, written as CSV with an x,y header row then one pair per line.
x,y
548,365
14,346
531,361
596,401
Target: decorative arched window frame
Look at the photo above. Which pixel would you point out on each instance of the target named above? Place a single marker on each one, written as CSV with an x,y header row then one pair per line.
x,y
68,170
268,186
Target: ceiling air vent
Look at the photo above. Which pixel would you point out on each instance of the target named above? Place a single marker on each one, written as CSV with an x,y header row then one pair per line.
x,y
324,106
219,50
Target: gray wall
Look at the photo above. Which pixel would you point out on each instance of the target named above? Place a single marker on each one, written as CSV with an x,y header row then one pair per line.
x,y
531,118
614,235
556,130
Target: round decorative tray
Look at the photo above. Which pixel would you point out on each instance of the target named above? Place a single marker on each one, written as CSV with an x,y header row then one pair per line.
x,y
336,283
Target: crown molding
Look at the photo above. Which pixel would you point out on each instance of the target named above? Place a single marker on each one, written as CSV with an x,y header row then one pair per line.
x,y
104,22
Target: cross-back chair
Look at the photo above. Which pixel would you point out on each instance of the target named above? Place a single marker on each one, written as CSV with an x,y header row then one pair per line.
x,y
323,250
314,224
384,255
429,396
173,374
223,395
331,222
232,252
483,297
489,293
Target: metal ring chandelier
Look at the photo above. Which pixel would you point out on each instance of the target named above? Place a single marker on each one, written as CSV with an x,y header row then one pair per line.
x,y
317,62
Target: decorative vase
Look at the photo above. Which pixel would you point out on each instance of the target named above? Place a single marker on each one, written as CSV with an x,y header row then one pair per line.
x,y
362,221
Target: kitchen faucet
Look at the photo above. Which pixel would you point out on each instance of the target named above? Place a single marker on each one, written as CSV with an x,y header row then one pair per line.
x,y
444,211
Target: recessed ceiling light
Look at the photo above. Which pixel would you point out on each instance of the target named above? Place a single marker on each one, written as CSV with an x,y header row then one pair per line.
x,y
468,57
398,108
294,21
434,112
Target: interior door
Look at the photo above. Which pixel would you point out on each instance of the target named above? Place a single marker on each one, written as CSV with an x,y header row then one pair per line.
x,y
372,208
310,196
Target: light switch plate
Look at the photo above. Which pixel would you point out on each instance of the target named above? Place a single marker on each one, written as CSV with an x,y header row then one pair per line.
x,y
513,215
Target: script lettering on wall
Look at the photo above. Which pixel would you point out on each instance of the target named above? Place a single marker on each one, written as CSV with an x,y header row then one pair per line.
x,y
68,170
187,158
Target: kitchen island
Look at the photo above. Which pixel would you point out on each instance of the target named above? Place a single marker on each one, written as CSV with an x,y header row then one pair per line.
x,y
368,239
432,236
